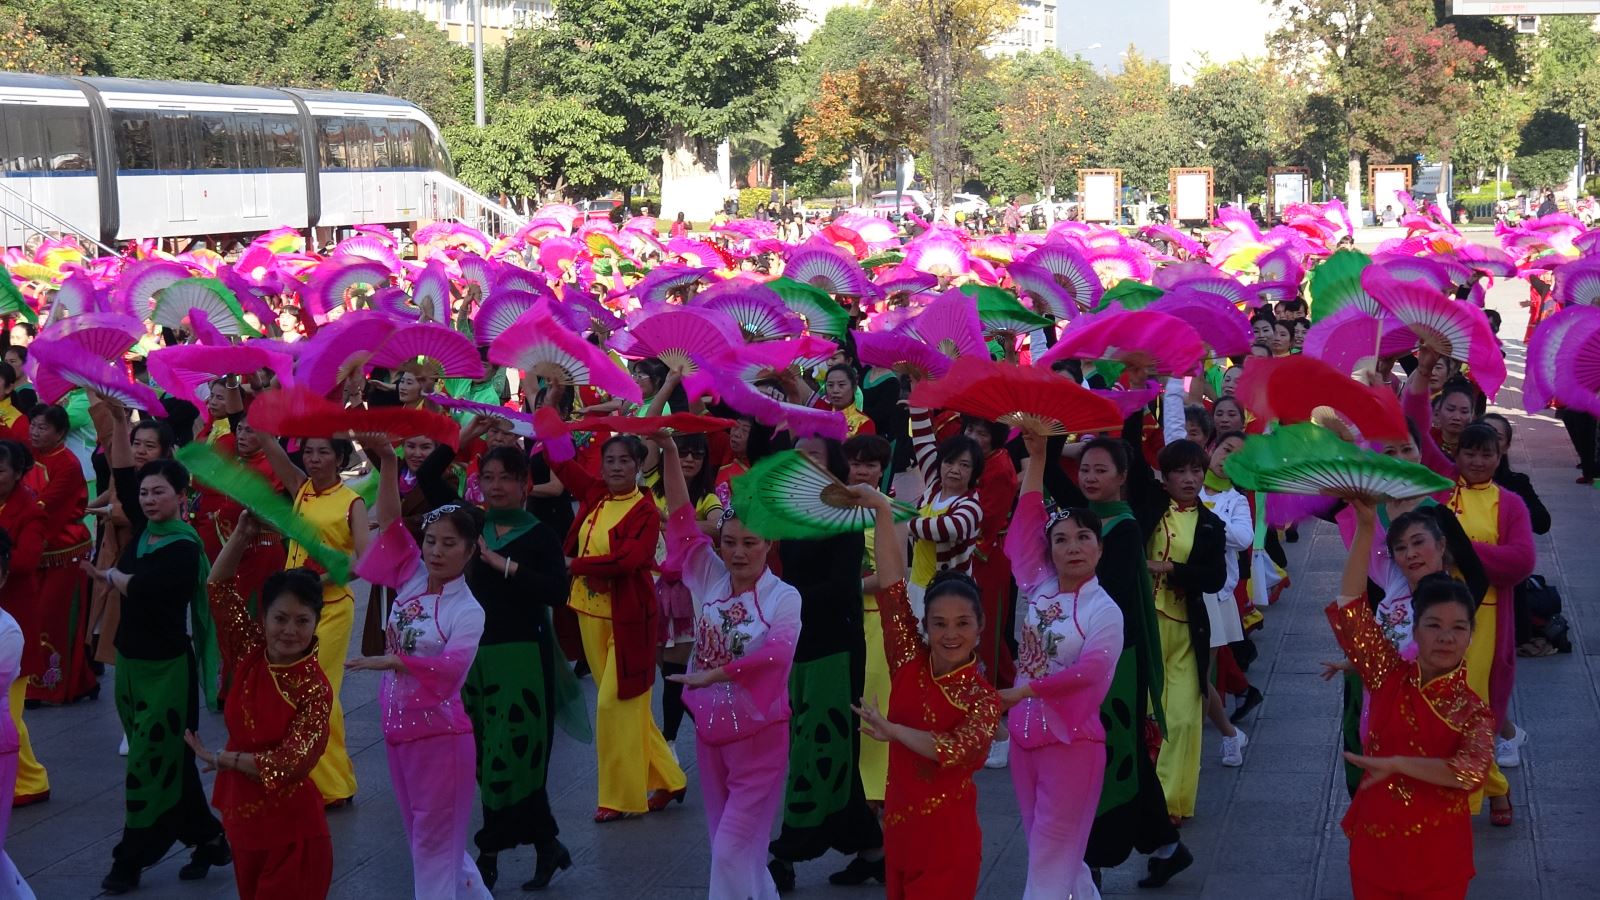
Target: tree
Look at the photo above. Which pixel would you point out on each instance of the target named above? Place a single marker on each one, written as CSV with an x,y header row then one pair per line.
x,y
1044,118
869,114
58,36
683,75
556,147
945,37
1226,107
1490,134
1146,146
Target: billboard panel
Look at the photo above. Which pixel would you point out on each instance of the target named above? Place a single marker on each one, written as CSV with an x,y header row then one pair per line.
x,y
1525,7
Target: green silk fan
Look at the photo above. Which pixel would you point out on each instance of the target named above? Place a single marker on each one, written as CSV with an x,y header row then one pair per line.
x,y
787,496
1336,284
886,258
1001,313
824,316
1129,294
1310,459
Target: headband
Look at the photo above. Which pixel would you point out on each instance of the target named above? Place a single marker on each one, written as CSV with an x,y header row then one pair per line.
x,y
436,515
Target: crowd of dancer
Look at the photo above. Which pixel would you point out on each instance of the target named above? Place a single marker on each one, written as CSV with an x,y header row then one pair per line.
x,y
1074,605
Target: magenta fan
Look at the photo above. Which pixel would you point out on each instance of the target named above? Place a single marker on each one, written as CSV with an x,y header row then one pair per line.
x,y
1350,335
802,421
1552,357
582,313
1415,269
1114,264
950,325
682,337
105,335
188,370
521,422
365,246
664,281
902,353
453,352
1280,265
335,284
339,349
825,266
1576,381
499,312
1451,328
59,367
1578,282
1215,318
905,280
141,281
479,271
760,312
1129,402
1151,340
1069,270
76,295
539,346
938,255
1228,290
431,294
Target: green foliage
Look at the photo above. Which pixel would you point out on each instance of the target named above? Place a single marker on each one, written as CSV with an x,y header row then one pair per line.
x,y
1546,168
1146,145
751,199
554,147
1224,107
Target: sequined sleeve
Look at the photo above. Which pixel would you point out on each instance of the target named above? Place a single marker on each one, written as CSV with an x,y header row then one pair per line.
x,y
307,736
967,744
1472,759
902,645
1363,643
238,635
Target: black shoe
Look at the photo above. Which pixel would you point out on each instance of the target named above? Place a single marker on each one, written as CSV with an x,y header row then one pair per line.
x,y
124,877
551,857
1162,870
1095,874
860,871
489,869
1252,699
782,875
1291,535
214,852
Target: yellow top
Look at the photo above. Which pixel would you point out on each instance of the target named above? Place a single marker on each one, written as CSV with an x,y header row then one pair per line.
x,y
1478,508
219,427
329,511
9,413
595,540
1172,542
854,419
869,601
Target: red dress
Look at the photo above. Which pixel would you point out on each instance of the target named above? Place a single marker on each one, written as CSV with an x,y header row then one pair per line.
x,y
23,521
1408,837
932,844
997,494
275,825
57,480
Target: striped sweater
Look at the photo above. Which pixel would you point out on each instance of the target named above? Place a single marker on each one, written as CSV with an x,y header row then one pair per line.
x,y
955,529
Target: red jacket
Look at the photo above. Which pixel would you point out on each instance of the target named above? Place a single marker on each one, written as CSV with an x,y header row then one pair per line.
x,y
629,569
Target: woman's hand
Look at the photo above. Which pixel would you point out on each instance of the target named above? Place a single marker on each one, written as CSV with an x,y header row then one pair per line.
x,y
700,679
386,663
1379,767
1366,510
1035,443
1012,696
247,528
869,497
200,751
873,723
490,558
1159,566
97,574
1331,670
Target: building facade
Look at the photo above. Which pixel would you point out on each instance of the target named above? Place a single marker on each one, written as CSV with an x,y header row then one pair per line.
x,y
1033,32
500,17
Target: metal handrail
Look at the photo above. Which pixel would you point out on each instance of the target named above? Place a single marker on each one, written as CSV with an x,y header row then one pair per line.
x,y
65,226
469,207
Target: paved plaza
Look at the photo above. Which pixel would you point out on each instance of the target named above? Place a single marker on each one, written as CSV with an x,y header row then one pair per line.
x,y
1267,830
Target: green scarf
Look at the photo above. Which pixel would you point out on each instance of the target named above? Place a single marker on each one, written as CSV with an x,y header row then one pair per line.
x,y
207,656
1216,484
520,520
1111,514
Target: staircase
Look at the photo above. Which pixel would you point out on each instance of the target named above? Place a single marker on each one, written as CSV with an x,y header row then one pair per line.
x,y
22,221
444,198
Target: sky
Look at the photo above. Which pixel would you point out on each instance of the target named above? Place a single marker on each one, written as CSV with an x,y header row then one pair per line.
x,y
1080,24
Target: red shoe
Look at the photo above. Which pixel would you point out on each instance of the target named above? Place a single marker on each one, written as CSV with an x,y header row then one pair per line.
x,y
603,815
21,800
1500,818
659,799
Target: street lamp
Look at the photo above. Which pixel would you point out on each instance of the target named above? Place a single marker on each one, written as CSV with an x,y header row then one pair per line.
x,y
1583,132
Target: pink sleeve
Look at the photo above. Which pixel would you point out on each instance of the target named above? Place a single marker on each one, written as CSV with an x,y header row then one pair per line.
x,y
439,678
1027,546
1513,557
1076,692
1418,409
390,560
689,554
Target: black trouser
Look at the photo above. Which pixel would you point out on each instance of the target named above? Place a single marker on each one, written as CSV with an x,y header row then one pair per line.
x,y
1582,432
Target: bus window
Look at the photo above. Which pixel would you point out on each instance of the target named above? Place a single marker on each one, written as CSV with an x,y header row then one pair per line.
x,y
252,150
403,138
23,139
379,131
285,144
358,143
219,147
176,143
331,144
136,151
438,157
71,148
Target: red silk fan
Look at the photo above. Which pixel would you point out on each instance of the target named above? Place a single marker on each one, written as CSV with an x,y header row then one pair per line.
x,y
682,423
1032,399
297,412
1296,388
453,352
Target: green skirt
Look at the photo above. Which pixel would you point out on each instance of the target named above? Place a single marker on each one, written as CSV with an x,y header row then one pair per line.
x,y
164,801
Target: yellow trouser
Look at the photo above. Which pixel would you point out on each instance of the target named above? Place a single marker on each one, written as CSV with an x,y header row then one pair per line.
x,y
633,756
1480,659
32,779
1178,765
334,774
874,765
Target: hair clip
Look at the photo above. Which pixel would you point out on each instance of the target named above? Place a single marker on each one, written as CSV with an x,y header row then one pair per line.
x,y
436,515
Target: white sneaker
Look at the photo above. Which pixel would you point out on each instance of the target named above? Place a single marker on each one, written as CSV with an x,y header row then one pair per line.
x,y
1508,751
122,748
1233,748
999,755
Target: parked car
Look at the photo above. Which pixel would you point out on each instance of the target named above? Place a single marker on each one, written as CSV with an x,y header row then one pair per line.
x,y
970,204
598,209
883,204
